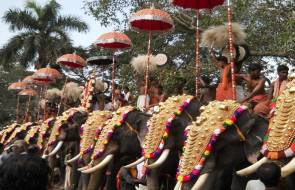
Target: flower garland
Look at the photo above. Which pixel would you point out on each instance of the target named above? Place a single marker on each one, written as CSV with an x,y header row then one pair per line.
x,y
168,126
66,118
197,169
110,132
275,155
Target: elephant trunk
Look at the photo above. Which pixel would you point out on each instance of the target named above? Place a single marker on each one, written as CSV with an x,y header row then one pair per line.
x,y
161,159
200,182
251,169
289,168
75,158
55,150
101,165
133,164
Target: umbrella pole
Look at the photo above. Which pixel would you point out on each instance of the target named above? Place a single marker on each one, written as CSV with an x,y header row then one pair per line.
x,y
27,110
17,108
45,111
62,94
231,49
147,71
113,81
197,51
39,100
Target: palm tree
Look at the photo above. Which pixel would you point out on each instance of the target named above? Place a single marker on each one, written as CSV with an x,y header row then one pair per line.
x,y
42,34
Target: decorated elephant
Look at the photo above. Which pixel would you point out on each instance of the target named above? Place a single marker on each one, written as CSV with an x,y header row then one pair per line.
x,y
163,143
20,132
63,140
224,138
279,142
118,144
7,131
89,133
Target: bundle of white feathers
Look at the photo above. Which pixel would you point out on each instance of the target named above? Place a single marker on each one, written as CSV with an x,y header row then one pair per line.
x,y
217,37
139,63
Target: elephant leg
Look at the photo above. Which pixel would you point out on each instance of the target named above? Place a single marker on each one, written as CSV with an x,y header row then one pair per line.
x,y
112,171
238,182
153,180
84,180
97,180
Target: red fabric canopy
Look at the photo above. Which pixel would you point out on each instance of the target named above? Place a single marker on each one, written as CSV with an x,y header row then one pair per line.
x,y
28,92
197,4
46,74
151,20
114,40
72,61
17,86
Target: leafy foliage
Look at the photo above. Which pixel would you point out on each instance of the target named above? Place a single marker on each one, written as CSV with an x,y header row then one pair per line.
x,y
43,35
269,24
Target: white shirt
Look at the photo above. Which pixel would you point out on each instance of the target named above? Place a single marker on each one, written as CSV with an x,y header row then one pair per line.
x,y
141,102
255,185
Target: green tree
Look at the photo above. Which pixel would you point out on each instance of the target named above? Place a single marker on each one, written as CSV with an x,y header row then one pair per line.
x,y
269,24
43,34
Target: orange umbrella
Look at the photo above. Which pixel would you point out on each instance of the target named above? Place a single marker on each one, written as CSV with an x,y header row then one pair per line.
x,y
18,86
46,74
27,92
72,61
152,21
115,41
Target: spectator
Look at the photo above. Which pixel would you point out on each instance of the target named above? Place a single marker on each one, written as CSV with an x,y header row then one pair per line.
x,y
141,103
128,95
269,178
24,172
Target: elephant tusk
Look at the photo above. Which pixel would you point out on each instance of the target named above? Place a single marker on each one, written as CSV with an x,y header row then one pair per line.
x,y
288,169
251,169
73,159
56,149
85,167
200,182
178,185
101,165
161,159
140,160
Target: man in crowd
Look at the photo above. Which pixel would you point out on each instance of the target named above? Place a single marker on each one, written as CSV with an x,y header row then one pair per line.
x,y
256,89
280,84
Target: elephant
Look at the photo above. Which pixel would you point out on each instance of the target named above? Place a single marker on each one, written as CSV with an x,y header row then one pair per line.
x,y
279,142
162,166
65,134
20,132
216,146
119,143
89,133
5,133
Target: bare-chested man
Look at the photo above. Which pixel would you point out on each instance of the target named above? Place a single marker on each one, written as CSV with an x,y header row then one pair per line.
x,y
256,93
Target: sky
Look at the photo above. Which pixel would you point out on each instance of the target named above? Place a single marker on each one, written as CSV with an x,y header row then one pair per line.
x,y
69,7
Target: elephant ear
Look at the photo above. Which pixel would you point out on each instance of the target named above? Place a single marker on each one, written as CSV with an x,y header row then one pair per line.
x,y
257,128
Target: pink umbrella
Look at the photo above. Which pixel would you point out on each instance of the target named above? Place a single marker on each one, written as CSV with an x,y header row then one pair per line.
x,y
151,21
114,41
197,5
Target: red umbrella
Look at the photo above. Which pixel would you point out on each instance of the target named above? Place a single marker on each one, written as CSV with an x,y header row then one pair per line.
x,y
72,61
152,21
201,4
46,75
114,41
28,92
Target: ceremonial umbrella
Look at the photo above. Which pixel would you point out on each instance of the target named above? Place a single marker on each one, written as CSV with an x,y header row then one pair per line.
x,y
27,92
197,5
17,86
72,61
152,21
46,74
114,41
